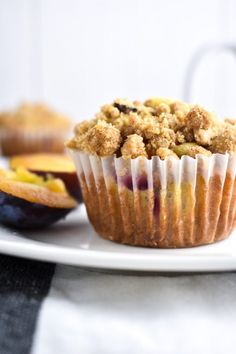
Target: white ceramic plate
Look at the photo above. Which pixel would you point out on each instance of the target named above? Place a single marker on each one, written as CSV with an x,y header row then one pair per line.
x,y
73,241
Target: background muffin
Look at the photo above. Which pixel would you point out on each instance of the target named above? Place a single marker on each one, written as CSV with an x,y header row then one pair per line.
x,y
32,128
157,173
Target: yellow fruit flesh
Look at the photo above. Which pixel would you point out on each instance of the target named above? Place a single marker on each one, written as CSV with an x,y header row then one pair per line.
x,y
22,175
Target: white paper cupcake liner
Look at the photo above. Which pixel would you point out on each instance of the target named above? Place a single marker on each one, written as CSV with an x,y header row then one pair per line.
x,y
155,203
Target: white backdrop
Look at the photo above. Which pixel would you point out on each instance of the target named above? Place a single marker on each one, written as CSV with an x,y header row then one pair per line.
x,y
77,54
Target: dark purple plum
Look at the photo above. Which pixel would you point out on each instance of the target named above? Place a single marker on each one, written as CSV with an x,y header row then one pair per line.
x,y
27,205
156,208
125,109
142,183
127,182
21,214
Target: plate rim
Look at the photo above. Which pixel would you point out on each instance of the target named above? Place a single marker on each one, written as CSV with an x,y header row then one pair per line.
x,y
111,260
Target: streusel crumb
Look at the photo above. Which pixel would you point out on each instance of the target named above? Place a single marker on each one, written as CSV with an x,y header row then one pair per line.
x,y
224,141
102,139
199,118
164,152
84,126
133,147
158,127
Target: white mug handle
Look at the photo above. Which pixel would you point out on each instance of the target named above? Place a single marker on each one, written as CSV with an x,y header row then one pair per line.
x,y
195,61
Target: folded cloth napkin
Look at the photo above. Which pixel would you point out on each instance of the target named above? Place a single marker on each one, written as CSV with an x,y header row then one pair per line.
x,y
23,286
91,312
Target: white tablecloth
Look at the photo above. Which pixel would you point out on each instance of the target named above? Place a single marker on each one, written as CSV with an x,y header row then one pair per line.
x,y
89,312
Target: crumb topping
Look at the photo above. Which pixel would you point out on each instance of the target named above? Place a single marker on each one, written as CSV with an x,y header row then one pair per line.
x,y
198,118
158,127
33,116
164,152
102,139
133,147
224,141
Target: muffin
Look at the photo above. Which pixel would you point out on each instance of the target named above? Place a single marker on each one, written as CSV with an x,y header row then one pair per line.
x,y
32,128
157,174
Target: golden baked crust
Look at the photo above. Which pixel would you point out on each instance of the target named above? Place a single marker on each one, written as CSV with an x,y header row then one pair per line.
x,y
132,129
33,117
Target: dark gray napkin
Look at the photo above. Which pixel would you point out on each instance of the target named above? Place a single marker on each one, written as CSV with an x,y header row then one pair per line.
x,y
23,286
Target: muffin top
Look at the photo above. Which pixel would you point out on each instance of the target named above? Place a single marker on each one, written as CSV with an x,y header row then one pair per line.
x,y
158,127
33,116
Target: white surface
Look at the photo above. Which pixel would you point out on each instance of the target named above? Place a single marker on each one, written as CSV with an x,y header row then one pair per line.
x,y
74,242
80,54
92,313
